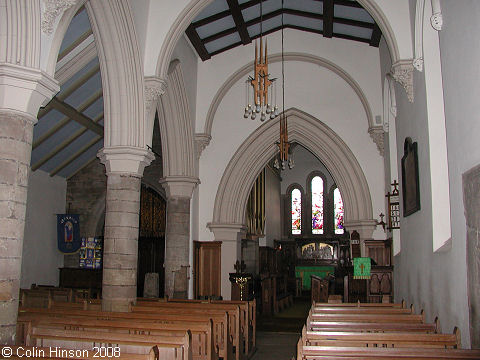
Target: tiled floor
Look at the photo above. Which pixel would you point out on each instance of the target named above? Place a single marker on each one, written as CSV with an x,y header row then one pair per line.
x,y
276,346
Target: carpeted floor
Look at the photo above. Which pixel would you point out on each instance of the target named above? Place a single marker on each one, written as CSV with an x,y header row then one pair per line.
x,y
277,335
290,320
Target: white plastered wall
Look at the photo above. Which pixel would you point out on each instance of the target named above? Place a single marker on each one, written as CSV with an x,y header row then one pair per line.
x,y
311,88
41,257
436,281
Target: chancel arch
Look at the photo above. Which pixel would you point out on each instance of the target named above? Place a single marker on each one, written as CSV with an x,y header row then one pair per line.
x,y
259,148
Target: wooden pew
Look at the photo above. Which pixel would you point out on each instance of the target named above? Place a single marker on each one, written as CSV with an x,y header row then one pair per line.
x,y
360,310
222,341
359,304
381,339
367,353
371,327
48,353
384,318
202,334
169,347
237,319
245,318
233,323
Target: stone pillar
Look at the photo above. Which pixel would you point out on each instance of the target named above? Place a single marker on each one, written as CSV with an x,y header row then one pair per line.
x,y
179,191
22,91
124,168
16,132
231,236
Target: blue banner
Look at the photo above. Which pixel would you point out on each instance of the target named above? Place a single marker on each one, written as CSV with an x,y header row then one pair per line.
x,y
68,233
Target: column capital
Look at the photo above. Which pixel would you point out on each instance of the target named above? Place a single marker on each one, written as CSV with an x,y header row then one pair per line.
x,y
125,159
227,231
402,72
179,186
24,90
364,227
202,140
154,88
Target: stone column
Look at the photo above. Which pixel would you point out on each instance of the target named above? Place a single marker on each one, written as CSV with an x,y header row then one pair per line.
x,y
179,191
16,132
231,237
124,168
22,91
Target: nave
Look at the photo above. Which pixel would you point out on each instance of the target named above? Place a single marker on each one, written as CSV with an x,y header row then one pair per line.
x,y
57,324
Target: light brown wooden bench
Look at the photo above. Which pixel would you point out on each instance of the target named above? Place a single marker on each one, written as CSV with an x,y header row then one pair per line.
x,y
248,310
48,353
237,318
169,347
222,341
371,327
367,353
233,323
202,334
360,304
381,339
360,310
413,318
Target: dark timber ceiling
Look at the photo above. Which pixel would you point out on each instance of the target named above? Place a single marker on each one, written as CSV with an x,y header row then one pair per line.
x,y
225,24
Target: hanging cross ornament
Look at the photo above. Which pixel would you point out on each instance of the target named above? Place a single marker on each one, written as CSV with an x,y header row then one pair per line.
x,y
263,96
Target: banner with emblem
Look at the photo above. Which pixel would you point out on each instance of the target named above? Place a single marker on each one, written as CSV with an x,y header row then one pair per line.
x,y
68,233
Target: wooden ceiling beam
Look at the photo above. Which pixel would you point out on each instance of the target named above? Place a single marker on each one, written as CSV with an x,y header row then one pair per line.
x,y
348,3
211,19
328,18
77,116
351,22
71,89
75,156
74,44
376,36
64,121
64,144
239,21
197,42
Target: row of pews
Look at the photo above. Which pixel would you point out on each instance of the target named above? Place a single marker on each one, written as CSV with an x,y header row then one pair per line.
x,y
44,296
358,331
153,329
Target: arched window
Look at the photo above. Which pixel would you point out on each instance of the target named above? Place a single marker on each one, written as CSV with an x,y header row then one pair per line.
x,y
296,209
338,212
317,205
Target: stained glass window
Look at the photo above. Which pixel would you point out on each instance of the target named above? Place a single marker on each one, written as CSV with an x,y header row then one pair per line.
x,y
317,205
338,214
296,211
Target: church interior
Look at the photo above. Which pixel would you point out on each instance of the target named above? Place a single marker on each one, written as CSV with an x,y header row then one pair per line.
x,y
195,179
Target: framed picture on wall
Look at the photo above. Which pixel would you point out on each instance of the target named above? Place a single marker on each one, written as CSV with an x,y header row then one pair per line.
x,y
410,182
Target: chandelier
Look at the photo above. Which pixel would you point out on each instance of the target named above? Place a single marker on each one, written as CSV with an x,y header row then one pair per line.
x,y
264,99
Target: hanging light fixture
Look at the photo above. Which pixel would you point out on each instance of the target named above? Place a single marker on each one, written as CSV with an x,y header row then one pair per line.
x,y
283,145
263,96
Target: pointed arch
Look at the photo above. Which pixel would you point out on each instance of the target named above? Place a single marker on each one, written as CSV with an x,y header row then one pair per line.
x,y
122,72
176,126
260,147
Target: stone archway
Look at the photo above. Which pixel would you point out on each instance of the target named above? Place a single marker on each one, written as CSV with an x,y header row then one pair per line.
x,y
232,194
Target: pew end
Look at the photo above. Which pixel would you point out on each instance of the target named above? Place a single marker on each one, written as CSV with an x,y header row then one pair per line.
x,y
456,332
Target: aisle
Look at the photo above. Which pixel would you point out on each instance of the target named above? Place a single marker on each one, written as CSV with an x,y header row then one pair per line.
x,y
277,336
276,346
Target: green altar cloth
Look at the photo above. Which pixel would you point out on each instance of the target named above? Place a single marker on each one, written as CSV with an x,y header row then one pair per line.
x,y
361,268
305,272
